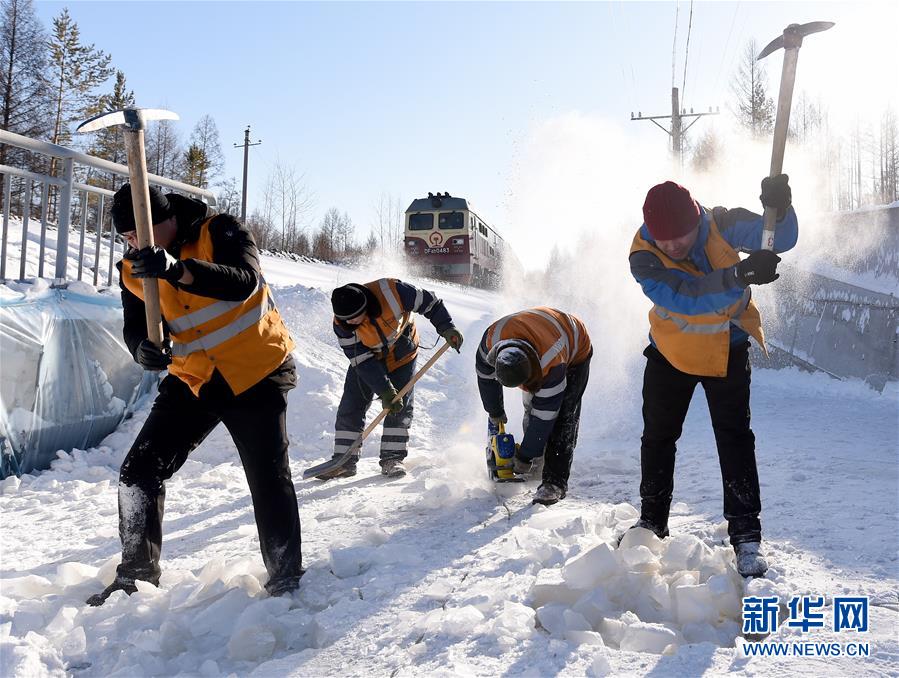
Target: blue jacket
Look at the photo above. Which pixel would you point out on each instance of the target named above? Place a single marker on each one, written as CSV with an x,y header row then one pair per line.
x,y
681,292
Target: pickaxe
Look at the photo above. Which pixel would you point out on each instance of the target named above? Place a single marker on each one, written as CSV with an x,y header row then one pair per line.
x,y
791,41
134,120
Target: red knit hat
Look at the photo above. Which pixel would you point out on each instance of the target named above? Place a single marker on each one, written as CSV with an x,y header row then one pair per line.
x,y
669,211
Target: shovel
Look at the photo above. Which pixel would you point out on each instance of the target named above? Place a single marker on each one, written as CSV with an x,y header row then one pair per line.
x,y
337,462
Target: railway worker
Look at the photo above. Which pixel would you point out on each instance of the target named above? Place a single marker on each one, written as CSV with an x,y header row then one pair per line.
x,y
685,258
546,353
228,356
374,327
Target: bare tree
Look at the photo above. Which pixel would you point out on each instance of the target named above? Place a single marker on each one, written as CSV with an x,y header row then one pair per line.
x,y
164,149
205,159
753,107
388,221
287,203
228,198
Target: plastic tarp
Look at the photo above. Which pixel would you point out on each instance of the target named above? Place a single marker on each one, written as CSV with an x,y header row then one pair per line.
x,y
67,379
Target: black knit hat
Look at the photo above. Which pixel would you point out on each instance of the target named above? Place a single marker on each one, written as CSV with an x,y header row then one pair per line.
x,y
348,301
123,209
512,367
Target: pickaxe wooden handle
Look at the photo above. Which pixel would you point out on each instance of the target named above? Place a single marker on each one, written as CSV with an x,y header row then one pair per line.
x,y
134,120
791,41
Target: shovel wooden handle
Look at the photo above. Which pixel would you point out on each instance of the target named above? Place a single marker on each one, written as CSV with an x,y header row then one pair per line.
x,y
140,197
335,463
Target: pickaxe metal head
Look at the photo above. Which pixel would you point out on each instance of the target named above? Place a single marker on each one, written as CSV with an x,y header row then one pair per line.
x,y
134,118
792,36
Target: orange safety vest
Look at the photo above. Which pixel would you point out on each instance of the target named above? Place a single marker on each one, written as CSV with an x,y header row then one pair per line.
x,y
700,344
556,336
245,340
380,334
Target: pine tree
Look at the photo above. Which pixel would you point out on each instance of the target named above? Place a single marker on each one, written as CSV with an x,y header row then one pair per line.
x,y
205,138
76,71
23,84
754,108
196,166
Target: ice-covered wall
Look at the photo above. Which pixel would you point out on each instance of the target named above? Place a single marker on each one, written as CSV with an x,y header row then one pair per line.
x,y
66,378
836,305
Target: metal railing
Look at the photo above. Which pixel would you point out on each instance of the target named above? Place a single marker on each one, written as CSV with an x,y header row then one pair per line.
x,y
67,186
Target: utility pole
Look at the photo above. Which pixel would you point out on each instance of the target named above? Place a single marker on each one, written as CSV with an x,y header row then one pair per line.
x,y
677,129
246,155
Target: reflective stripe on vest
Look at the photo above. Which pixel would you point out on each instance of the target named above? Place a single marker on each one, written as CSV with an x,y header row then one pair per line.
x,y
204,315
232,329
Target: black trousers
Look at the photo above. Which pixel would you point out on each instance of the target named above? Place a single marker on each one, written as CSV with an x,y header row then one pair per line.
x,y
357,398
666,397
559,451
176,425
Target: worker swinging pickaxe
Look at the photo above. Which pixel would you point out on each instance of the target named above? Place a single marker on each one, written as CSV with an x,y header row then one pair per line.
x,y
134,120
791,41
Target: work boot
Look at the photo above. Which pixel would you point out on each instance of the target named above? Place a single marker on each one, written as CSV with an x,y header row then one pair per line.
x,y
548,494
660,532
345,471
284,586
125,585
393,468
750,563
522,467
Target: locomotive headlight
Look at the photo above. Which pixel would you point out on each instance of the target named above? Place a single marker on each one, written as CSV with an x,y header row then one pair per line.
x,y
459,241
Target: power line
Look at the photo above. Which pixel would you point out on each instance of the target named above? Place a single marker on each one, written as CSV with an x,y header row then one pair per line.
x,y
687,53
674,46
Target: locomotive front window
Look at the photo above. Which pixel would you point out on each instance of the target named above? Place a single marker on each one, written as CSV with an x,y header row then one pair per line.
x,y
421,222
450,220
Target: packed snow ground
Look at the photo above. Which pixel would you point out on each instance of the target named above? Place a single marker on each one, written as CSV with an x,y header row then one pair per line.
x,y
444,573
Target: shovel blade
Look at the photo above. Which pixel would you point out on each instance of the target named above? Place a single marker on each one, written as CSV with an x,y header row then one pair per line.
x,y
133,117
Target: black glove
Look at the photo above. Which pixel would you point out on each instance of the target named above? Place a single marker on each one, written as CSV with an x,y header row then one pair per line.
x,y
520,465
497,419
155,262
776,193
153,357
389,400
453,338
759,268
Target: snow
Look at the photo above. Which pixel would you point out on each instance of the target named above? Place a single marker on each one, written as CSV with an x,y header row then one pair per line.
x,y
444,573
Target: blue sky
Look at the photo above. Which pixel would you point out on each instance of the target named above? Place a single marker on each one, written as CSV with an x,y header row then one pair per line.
x,y
415,97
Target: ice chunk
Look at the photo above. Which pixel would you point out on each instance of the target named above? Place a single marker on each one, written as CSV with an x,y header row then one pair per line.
x,y
251,643
514,620
460,621
351,561
584,638
726,595
643,637
682,552
639,558
640,536
70,574
75,643
695,604
209,669
30,586
594,605
63,622
551,617
550,587
589,568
